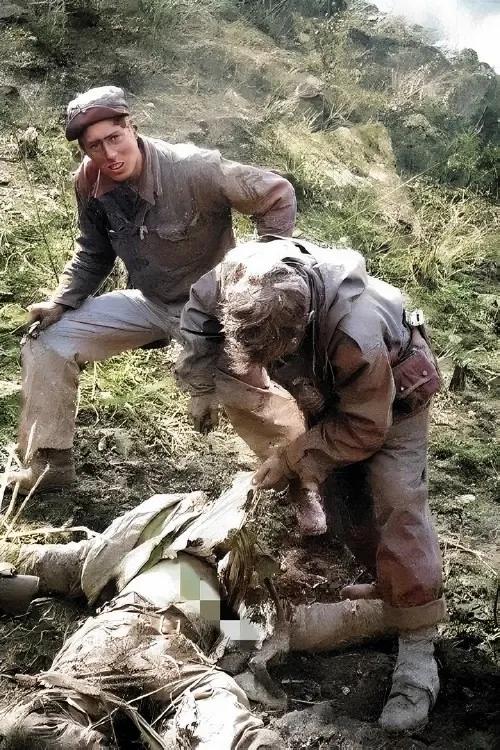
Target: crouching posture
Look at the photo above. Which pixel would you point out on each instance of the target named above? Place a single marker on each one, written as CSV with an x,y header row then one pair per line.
x,y
165,211
340,343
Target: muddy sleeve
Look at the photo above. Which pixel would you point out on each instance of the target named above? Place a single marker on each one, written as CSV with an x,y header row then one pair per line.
x,y
201,334
92,260
264,195
59,566
357,428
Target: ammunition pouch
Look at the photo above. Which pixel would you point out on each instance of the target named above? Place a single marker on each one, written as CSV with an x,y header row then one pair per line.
x,y
416,375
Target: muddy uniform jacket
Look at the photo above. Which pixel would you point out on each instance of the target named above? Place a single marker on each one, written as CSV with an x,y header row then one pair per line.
x,y
355,338
172,227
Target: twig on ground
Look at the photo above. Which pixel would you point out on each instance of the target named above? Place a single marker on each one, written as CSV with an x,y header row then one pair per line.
x,y
495,606
94,382
13,457
25,501
12,503
51,530
27,453
478,555
5,474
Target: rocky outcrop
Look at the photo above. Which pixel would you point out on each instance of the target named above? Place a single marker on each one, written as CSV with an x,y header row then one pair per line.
x,y
10,12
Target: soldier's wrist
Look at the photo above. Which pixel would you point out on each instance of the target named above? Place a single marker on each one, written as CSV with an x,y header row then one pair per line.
x,y
288,471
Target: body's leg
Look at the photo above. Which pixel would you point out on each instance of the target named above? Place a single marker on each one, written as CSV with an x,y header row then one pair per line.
x,y
122,652
225,719
58,566
213,713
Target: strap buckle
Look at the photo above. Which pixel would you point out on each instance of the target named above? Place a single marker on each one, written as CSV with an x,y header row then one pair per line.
x,y
416,318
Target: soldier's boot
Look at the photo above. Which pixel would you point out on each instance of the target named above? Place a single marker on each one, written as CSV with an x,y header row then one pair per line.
x,y
57,467
309,510
415,683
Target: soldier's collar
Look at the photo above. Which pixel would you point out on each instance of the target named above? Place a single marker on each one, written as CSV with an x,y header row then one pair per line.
x,y
149,186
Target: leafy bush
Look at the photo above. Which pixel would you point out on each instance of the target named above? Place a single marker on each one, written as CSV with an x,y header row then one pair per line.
x,y
472,163
277,17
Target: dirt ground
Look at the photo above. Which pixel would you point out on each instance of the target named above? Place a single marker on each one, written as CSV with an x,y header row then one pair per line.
x,y
334,698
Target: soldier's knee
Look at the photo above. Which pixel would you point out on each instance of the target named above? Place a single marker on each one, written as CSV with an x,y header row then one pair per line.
x,y
46,350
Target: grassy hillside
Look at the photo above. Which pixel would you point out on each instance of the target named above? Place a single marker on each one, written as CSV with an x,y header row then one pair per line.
x,y
392,149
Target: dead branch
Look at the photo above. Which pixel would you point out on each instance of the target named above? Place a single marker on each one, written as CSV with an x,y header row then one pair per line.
x,y
25,501
478,555
51,530
5,474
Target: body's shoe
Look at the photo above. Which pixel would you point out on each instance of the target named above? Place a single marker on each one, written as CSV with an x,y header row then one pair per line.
x,y
415,683
59,474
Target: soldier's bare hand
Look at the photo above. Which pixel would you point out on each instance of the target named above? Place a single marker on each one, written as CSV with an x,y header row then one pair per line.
x,y
46,313
204,412
271,475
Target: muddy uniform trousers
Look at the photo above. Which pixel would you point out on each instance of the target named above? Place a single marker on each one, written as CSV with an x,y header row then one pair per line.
x,y
101,328
381,504
131,651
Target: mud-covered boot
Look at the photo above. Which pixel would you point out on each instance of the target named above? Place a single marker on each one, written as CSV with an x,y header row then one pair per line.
x,y
59,474
309,510
415,683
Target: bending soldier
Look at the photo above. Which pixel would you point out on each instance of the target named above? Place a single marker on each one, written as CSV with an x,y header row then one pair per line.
x,y
338,341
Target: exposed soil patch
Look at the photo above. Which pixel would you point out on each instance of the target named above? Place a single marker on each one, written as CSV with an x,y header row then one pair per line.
x,y
338,697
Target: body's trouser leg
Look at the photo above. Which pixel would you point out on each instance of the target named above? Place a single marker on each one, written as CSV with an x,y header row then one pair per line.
x,y
392,533
102,327
58,566
121,652
223,717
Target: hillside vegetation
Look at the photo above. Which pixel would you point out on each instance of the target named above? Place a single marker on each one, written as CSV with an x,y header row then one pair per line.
x,y
393,148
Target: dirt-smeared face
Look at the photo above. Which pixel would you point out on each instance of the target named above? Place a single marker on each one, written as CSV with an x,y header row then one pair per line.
x,y
112,145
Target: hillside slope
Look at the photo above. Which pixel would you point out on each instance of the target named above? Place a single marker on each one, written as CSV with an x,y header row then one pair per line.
x,y
393,148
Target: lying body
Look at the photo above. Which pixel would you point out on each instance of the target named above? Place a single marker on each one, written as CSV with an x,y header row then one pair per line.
x,y
159,633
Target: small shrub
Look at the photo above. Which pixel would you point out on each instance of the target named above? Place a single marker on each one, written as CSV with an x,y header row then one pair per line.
x,y
472,163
